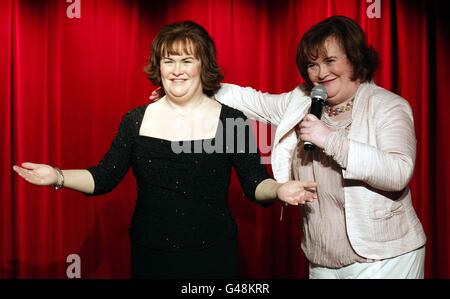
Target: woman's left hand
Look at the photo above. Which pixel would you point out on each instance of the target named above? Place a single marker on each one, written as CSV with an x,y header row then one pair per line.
x,y
297,192
314,130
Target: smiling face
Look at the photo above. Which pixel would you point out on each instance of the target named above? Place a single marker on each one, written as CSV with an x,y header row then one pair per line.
x,y
181,75
184,39
333,70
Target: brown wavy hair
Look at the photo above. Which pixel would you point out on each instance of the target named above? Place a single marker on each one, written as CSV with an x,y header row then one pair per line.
x,y
190,38
352,39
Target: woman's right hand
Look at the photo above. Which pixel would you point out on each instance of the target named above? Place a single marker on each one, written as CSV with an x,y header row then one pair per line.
x,y
37,174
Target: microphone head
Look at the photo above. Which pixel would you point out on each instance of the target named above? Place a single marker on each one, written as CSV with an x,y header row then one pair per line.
x,y
320,92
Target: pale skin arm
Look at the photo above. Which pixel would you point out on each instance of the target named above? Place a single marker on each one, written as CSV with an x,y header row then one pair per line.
x,y
45,175
291,192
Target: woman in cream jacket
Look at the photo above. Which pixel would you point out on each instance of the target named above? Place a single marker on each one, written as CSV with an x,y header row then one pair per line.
x,y
363,225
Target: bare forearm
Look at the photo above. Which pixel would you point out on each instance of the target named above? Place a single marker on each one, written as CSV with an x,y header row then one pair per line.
x,y
79,180
267,190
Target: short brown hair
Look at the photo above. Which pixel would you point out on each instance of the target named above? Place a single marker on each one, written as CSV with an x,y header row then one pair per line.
x,y
352,40
190,38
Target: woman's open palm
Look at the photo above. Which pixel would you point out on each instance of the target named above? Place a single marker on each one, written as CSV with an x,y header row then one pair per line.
x,y
37,174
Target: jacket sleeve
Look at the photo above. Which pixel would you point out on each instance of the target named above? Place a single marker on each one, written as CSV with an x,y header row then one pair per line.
x,y
117,160
255,104
389,165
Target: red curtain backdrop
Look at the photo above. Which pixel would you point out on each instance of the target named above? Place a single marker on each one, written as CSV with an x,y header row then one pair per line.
x,y
66,82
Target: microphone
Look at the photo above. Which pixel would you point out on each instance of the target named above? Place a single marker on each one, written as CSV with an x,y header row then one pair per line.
x,y
318,98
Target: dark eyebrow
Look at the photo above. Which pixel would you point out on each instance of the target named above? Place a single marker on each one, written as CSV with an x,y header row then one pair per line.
x,y
189,57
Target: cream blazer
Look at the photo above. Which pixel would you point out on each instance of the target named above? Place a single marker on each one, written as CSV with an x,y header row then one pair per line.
x,y
380,218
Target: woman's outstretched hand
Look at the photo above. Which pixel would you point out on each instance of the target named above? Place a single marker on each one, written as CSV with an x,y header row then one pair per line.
x,y
37,174
296,192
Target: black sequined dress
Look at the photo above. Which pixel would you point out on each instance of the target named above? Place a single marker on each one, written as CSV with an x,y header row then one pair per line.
x,y
182,226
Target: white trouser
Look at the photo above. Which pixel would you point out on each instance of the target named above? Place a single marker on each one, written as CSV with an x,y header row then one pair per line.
x,y
409,265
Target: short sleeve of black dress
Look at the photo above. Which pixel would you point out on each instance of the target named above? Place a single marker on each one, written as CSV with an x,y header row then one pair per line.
x,y
245,156
117,160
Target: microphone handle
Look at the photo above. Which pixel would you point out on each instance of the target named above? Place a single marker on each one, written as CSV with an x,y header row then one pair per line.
x,y
316,110
308,146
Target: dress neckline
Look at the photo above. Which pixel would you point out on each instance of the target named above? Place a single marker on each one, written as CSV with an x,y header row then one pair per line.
x,y
343,123
188,140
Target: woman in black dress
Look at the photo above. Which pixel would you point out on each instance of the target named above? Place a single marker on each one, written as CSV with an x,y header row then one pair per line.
x,y
181,149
